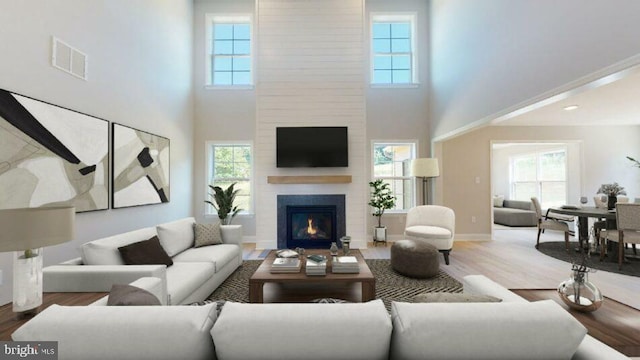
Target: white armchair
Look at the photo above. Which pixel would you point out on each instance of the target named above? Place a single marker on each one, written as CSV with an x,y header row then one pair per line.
x,y
434,225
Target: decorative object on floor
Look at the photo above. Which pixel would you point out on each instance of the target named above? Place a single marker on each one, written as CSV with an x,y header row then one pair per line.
x,y
381,199
416,259
578,292
425,168
27,231
556,250
140,168
51,155
612,191
434,225
223,202
390,286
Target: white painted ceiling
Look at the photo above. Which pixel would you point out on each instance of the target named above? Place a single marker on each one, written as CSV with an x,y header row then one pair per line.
x,y
616,102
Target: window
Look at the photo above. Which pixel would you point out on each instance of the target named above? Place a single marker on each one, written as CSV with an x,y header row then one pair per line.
x,y
231,163
543,175
393,55
390,164
229,51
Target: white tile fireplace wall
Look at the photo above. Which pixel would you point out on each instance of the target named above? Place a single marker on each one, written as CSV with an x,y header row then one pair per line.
x,y
310,72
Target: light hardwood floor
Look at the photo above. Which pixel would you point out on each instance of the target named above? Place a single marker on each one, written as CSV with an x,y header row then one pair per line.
x,y
512,261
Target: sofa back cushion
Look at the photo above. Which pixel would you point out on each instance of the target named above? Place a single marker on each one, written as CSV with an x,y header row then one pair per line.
x,y
176,236
518,204
302,331
105,251
124,332
508,330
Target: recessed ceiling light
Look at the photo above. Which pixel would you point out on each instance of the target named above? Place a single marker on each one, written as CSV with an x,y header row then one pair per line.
x,y
571,107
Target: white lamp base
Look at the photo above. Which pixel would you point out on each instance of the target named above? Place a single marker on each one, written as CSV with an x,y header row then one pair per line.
x,y
27,281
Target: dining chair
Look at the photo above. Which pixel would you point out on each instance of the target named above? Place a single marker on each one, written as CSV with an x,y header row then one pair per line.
x,y
628,232
549,223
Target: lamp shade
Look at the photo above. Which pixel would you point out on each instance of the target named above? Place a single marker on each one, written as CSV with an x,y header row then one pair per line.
x,y
32,228
425,167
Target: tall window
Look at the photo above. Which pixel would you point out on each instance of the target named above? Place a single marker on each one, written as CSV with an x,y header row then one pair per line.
x,y
393,55
543,175
229,55
390,164
231,163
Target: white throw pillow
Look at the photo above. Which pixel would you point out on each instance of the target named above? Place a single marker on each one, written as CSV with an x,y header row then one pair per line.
x,y
508,330
498,200
176,236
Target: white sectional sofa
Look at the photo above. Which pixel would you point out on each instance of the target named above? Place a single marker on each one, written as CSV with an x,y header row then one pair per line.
x,y
511,329
194,275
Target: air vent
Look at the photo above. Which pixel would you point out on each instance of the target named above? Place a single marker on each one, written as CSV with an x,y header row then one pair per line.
x,y
68,59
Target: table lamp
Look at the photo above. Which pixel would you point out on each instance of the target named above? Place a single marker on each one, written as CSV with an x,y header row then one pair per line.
x,y
26,232
425,168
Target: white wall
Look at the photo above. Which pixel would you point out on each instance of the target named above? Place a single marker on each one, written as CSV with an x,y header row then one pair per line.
x,y
140,60
490,55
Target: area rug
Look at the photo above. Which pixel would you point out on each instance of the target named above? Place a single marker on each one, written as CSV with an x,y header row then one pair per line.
x,y
556,249
390,286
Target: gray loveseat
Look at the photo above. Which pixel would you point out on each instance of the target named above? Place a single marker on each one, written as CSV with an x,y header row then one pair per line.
x,y
515,213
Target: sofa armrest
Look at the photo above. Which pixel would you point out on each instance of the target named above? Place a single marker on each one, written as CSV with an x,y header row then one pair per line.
x,y
151,284
482,285
97,278
231,234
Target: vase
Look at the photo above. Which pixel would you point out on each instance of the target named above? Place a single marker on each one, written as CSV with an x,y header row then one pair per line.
x,y
611,202
579,293
334,249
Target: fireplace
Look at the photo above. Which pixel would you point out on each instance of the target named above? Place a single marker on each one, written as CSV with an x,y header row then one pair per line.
x,y
310,221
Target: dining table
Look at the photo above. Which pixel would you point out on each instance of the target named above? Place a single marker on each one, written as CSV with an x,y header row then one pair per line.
x,y
583,213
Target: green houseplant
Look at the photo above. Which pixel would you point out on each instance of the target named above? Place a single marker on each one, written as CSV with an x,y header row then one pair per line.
x,y
380,199
612,191
223,202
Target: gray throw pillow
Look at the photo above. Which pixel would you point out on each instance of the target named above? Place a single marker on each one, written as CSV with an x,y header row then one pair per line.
x,y
128,295
453,298
206,234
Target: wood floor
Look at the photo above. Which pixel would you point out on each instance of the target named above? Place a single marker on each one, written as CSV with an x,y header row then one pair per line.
x,y
512,261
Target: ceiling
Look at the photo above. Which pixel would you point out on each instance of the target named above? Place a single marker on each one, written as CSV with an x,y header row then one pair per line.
x,y
613,100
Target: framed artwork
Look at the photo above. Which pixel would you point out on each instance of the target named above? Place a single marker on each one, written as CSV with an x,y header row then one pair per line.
x,y
50,155
140,168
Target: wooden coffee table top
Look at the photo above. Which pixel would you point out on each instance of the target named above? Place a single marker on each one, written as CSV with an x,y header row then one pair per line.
x,y
263,273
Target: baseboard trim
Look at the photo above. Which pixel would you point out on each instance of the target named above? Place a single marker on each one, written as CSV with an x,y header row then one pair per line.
x,y
473,237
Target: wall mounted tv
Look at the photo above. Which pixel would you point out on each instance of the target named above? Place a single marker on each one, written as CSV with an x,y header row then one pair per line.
x,y
313,146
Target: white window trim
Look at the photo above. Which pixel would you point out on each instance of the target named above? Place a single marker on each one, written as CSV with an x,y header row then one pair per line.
x,y
210,19
209,174
412,17
415,144
538,182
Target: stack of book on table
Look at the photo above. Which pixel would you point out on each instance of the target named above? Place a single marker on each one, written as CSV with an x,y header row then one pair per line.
x,y
286,265
345,265
316,265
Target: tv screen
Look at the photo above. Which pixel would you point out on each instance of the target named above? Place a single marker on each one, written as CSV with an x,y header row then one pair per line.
x,y
319,146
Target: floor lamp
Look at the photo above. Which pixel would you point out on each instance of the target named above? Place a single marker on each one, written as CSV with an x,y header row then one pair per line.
x,y
26,232
425,168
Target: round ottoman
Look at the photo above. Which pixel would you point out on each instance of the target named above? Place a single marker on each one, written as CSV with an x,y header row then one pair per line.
x,y
415,259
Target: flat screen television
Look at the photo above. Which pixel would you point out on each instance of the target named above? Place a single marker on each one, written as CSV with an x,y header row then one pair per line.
x,y
312,146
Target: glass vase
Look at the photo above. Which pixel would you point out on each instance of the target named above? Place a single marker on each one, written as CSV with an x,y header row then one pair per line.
x,y
334,249
579,293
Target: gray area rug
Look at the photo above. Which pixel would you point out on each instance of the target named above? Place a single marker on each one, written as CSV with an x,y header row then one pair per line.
x,y
390,286
556,249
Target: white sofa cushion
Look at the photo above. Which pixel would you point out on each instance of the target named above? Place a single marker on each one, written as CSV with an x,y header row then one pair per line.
x,y
105,251
219,255
124,332
302,331
183,278
511,330
176,236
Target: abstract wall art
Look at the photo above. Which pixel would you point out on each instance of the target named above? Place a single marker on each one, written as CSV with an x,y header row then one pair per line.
x,y
51,155
140,168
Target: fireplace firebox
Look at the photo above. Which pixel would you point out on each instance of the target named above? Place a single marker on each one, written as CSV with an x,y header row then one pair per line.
x,y
310,221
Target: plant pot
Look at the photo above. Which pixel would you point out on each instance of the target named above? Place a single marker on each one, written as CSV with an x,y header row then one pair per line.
x,y
380,233
611,202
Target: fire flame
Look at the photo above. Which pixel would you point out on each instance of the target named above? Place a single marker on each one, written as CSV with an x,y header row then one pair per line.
x,y
310,229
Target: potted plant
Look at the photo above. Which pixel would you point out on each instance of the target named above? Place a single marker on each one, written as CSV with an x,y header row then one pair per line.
x,y
381,199
224,199
612,191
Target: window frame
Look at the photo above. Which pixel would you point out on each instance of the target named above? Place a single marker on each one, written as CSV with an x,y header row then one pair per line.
x,y
218,18
209,211
395,17
414,149
538,183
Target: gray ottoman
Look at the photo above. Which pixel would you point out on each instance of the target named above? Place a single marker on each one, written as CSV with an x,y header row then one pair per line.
x,y
415,259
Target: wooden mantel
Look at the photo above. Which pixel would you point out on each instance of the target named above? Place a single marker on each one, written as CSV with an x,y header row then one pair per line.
x,y
317,179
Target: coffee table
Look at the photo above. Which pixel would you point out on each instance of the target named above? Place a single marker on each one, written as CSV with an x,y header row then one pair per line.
x,y
301,287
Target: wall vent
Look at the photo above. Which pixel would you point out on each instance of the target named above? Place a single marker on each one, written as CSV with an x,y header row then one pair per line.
x,y
68,59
